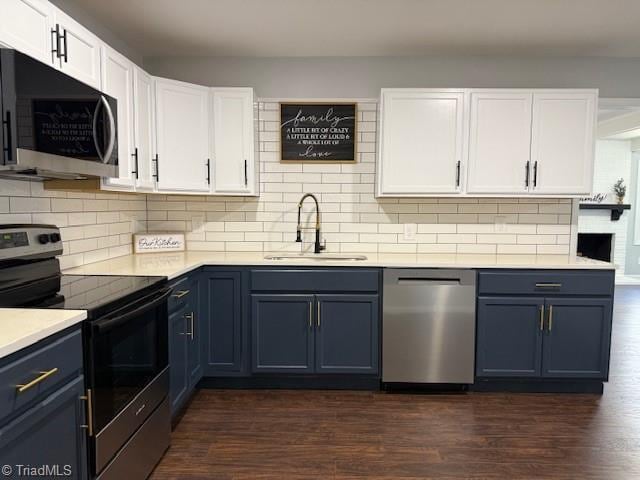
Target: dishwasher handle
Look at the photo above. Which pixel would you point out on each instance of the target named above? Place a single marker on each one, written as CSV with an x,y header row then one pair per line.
x,y
444,276
428,281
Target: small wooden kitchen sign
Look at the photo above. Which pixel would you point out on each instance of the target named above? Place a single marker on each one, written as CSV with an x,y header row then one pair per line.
x,y
158,242
318,132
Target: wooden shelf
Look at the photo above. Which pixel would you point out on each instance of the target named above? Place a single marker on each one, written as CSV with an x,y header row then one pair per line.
x,y
616,208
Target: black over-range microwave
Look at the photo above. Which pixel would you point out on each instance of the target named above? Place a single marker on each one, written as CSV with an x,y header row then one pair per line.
x,y
53,126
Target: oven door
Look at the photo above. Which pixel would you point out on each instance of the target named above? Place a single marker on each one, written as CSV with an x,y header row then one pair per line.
x,y
128,371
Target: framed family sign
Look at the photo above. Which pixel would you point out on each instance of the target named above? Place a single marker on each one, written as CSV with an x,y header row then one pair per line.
x,y
318,132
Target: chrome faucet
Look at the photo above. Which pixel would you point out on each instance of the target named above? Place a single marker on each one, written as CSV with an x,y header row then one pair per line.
x,y
317,248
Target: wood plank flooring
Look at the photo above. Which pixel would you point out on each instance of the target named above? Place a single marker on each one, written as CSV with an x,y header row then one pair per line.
x,y
295,435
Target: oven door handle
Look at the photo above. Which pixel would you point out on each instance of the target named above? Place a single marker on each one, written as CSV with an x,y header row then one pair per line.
x,y
110,323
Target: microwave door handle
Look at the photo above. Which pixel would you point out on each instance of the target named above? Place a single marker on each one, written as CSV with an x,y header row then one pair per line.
x,y
94,129
112,322
112,130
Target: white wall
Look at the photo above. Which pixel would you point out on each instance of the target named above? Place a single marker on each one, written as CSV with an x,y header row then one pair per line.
x,y
612,161
358,77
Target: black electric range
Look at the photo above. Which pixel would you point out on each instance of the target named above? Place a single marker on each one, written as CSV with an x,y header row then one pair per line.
x,y
125,337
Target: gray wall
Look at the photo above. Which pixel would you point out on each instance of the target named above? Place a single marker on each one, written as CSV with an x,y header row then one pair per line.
x,y
364,76
78,12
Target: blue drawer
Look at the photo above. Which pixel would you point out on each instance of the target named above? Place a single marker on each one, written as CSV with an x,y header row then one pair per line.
x,y
64,355
316,280
546,282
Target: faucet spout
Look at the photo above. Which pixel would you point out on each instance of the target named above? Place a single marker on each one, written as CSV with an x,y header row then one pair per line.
x,y
317,246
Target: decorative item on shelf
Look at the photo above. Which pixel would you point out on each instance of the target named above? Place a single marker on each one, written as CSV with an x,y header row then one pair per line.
x,y
620,189
158,242
596,198
318,132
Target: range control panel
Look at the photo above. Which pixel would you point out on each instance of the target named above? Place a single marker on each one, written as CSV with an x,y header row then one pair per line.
x,y
14,239
28,241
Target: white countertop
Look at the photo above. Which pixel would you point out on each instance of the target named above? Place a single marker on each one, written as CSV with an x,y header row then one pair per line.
x,y
174,264
21,327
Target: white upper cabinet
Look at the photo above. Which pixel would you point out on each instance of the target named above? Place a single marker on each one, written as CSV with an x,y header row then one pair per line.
x,y
117,82
182,119
26,25
499,142
421,142
562,142
508,142
233,169
144,130
79,50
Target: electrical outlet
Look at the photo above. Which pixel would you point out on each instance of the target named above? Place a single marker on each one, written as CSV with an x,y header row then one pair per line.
x,y
410,231
500,224
197,224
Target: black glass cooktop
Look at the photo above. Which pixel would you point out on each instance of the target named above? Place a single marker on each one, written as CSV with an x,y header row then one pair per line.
x,y
97,293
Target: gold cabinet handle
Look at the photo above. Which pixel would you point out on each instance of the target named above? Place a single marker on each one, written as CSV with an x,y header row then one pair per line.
x,y
311,314
89,424
37,380
189,316
318,313
550,323
180,293
541,318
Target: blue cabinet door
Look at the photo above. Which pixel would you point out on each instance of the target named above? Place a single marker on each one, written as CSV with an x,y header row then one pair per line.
x,y
50,433
193,320
577,338
223,322
282,333
509,337
178,378
347,329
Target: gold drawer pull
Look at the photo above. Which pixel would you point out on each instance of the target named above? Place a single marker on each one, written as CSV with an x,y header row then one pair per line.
x,y
37,380
548,285
541,318
180,293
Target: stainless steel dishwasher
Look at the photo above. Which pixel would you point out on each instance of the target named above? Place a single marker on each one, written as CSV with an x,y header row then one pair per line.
x,y
428,326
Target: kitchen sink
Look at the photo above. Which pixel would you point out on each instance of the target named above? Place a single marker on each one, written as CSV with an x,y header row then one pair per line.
x,y
317,257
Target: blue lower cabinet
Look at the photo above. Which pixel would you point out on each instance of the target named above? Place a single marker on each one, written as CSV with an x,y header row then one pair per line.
x,y
577,338
347,334
282,333
509,336
543,337
178,375
224,345
49,434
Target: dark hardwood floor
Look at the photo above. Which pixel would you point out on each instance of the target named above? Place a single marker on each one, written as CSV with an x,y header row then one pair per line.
x,y
287,435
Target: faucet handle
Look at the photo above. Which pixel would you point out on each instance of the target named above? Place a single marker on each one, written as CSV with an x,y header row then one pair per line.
x,y
323,245
299,235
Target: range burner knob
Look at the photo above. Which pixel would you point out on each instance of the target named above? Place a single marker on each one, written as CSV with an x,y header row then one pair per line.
x,y
43,238
54,237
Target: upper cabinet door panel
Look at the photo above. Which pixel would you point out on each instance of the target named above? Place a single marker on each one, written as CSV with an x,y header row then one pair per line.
x,y
562,144
80,51
144,129
233,147
499,142
182,119
26,26
117,82
421,141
